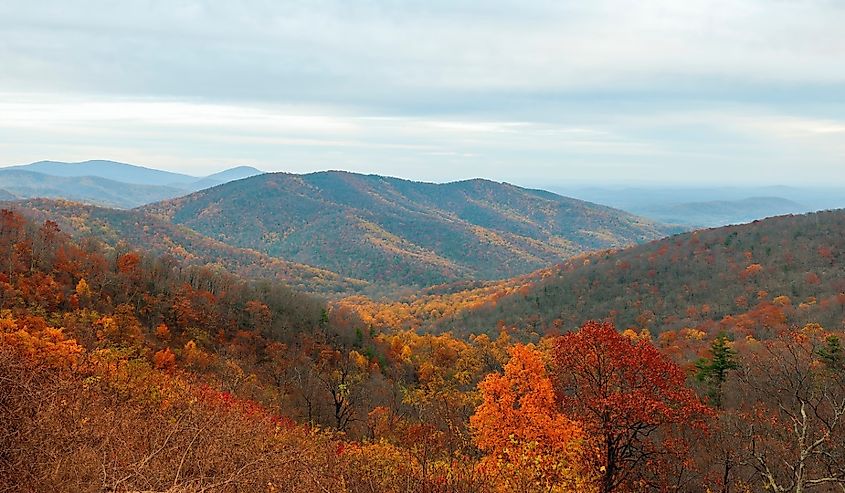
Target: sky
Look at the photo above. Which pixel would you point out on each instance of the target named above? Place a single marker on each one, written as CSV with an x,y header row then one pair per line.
x,y
532,92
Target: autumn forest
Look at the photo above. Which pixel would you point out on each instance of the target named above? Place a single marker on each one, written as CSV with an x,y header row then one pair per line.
x,y
708,361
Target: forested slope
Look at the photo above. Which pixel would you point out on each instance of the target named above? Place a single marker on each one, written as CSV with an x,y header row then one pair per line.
x,y
135,229
125,371
782,270
398,232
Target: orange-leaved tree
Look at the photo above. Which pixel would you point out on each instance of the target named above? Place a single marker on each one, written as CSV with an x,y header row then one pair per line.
x,y
631,400
530,445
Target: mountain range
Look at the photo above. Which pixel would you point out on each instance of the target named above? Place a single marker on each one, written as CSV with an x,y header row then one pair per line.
x,y
403,233
722,212
709,206
106,183
22,184
329,232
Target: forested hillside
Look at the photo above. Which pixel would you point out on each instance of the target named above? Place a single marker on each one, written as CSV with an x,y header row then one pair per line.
x,y
397,232
125,371
771,273
126,229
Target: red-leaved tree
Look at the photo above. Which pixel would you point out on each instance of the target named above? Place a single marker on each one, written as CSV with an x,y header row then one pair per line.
x,y
630,400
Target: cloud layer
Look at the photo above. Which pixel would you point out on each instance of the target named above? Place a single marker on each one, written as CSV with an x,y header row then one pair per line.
x,y
523,91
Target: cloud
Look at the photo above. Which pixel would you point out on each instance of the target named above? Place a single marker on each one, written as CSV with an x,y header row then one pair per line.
x,y
511,89
384,53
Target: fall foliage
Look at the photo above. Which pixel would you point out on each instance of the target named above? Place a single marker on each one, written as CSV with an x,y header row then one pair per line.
x,y
121,370
529,442
629,398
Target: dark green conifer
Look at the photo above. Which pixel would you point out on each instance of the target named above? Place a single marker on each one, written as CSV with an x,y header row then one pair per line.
x,y
713,372
831,354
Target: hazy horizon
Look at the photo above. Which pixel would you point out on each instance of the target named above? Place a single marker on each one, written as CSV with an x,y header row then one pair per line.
x,y
561,185
525,92
571,185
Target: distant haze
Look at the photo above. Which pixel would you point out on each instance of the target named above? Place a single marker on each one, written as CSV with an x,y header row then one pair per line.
x,y
123,185
106,183
531,92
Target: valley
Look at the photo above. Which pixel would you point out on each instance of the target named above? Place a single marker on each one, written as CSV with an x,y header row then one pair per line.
x,y
375,329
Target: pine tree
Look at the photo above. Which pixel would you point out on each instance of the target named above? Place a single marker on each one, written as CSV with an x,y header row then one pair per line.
x,y
714,371
831,354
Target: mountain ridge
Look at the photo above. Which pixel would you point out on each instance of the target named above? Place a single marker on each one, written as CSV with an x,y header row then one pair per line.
x,y
429,232
108,183
724,212
96,190
112,170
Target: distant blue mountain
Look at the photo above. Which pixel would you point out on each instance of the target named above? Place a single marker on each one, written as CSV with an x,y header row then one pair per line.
x,y
721,212
710,206
137,175
236,173
107,183
110,170
21,184
225,176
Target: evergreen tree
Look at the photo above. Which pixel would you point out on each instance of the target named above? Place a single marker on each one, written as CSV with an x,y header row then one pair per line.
x,y
714,371
831,354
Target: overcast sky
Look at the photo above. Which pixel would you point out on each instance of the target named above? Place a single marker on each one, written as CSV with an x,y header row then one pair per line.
x,y
532,92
